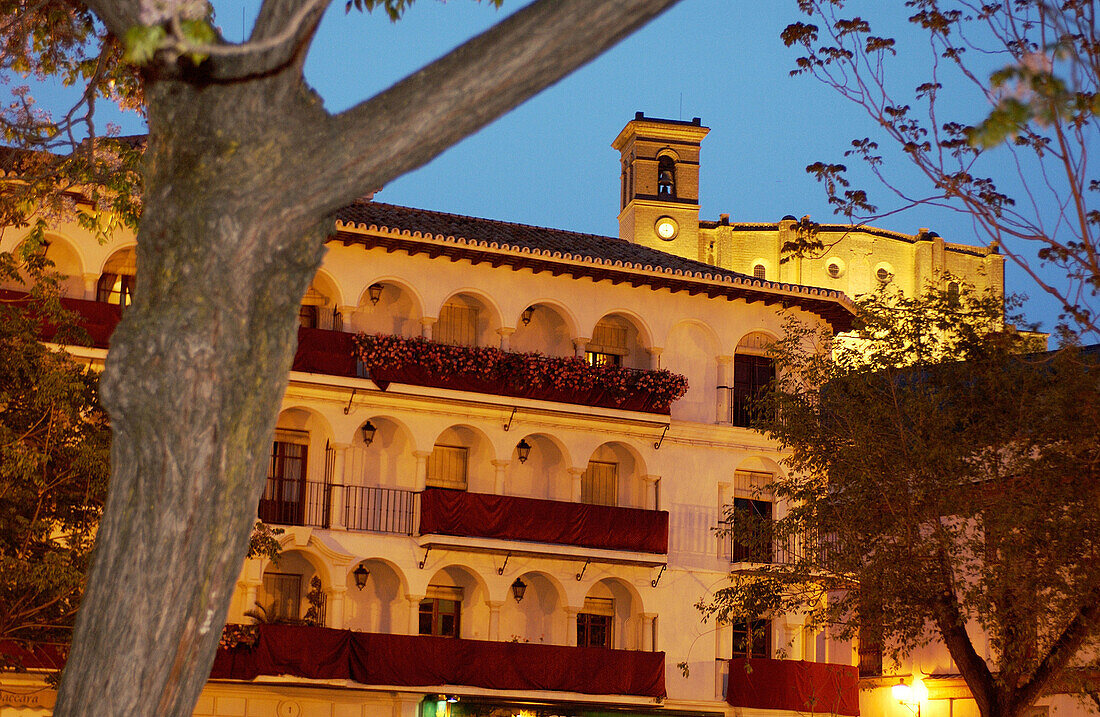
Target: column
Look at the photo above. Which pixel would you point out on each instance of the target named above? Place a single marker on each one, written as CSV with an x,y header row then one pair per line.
x,y
250,589
335,609
571,625
347,317
649,631
655,356
336,500
652,497
505,336
580,343
494,619
91,282
426,324
421,469
575,476
500,475
414,613
725,381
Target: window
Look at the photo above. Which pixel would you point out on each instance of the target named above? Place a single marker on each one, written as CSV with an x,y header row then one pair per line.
x,y
870,652
953,292
307,317
447,467
751,377
599,358
666,177
281,596
760,271
600,483
457,325
115,289
834,269
283,499
752,540
752,638
884,275
594,622
441,612
608,345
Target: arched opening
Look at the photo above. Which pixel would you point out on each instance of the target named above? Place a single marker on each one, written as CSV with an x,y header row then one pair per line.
x,y
543,474
380,606
454,605
299,482
117,282
613,476
68,264
542,328
610,617
380,479
538,617
291,592
388,307
320,307
466,320
692,350
666,177
616,341
753,372
461,460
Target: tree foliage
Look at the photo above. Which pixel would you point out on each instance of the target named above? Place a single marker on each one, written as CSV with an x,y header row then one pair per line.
x,y
54,443
1018,167
941,485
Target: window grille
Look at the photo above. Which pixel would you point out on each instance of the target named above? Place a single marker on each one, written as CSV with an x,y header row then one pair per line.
x,y
600,483
457,325
870,653
447,467
751,377
759,271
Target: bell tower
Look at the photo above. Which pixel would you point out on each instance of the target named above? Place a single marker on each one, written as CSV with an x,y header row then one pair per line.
x,y
659,195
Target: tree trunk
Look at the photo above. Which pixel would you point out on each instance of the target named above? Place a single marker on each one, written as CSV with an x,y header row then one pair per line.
x,y
195,376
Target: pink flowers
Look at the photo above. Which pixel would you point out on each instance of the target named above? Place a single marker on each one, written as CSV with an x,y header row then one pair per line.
x,y
395,358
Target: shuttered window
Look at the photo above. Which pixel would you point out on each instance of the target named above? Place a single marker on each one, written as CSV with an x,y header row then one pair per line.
x,y
281,596
457,325
600,483
447,467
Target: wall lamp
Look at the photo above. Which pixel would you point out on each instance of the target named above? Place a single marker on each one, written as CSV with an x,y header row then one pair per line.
x,y
518,589
525,317
523,449
910,695
368,430
374,291
361,574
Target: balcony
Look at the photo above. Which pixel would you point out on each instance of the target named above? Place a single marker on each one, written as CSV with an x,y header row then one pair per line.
x,y
394,359
793,686
480,515
423,660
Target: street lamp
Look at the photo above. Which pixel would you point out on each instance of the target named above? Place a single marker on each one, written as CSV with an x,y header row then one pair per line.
x,y
910,695
374,291
368,433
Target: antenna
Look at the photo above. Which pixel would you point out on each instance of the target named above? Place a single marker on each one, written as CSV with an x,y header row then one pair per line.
x,y
681,105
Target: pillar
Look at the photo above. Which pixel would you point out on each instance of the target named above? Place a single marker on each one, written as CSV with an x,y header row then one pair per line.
x,y
575,476
91,282
421,469
505,336
571,625
347,317
580,344
649,631
655,356
494,619
336,499
414,613
500,473
652,499
335,611
426,324
725,383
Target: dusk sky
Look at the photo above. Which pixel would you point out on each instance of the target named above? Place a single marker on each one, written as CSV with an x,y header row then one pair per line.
x,y
550,163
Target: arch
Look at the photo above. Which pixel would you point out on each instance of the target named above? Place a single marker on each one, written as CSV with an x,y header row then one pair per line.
x,y
540,616
488,319
621,337
320,305
551,329
478,455
388,462
474,611
692,350
545,474
625,605
622,485
303,418
398,311
755,341
381,606
645,333
64,255
666,175
117,278
668,152
123,257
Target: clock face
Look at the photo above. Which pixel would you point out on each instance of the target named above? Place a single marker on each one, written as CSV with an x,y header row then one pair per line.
x,y
666,228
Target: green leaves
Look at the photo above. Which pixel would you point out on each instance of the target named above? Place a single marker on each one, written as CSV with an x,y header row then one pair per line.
x,y
143,42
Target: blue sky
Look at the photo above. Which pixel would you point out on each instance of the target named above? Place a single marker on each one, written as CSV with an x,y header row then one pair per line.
x,y
549,162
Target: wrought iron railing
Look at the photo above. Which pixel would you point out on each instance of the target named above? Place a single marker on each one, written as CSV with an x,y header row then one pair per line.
x,y
380,510
290,501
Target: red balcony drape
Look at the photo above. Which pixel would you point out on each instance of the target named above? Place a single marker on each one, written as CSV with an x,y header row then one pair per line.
x,y
793,685
327,352
480,515
423,660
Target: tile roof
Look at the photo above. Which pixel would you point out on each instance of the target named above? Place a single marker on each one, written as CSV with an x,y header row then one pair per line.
x,y
521,236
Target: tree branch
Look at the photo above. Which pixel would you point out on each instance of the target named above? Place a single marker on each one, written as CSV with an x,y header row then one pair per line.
x,y
118,15
418,118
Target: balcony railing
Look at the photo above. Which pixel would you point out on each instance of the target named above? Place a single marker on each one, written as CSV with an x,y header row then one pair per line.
x,y
793,686
395,359
380,510
756,542
481,515
296,502
424,660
